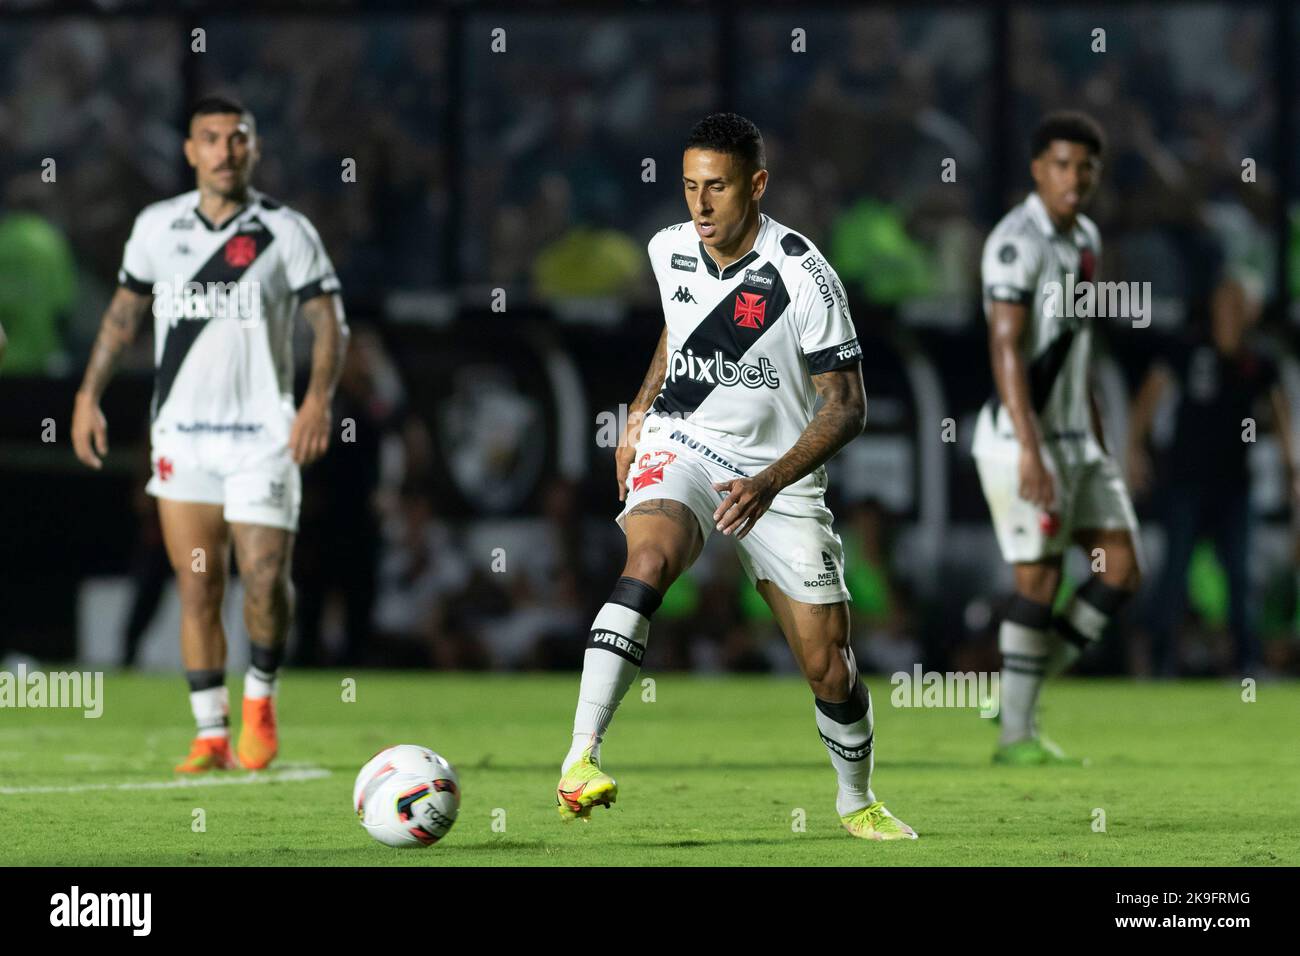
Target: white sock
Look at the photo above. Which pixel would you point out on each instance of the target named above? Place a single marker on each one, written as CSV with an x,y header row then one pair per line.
x,y
211,710
615,648
258,684
848,734
1025,643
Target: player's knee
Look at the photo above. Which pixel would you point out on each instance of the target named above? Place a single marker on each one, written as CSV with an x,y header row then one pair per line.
x,y
651,564
267,592
200,590
828,674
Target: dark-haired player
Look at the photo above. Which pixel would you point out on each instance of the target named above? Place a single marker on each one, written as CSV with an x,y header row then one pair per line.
x,y
1047,476
726,435
223,269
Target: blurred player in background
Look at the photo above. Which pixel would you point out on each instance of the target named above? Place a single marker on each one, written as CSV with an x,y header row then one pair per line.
x,y
223,269
1047,476
1222,378
723,436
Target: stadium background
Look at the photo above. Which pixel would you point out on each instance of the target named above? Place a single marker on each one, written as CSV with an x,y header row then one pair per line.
x,y
470,523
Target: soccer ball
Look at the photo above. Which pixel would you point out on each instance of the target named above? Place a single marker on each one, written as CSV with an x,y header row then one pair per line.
x,y
407,796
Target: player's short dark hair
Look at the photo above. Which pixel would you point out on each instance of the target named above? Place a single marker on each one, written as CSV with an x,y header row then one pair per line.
x,y
1072,126
730,133
216,105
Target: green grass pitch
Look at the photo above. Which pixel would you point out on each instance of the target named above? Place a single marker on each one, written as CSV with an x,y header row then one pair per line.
x,y
715,771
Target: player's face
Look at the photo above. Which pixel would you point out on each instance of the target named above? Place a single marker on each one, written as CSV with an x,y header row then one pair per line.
x,y
1066,174
222,148
720,195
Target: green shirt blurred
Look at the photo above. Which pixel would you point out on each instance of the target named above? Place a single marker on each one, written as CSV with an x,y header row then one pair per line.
x,y
38,284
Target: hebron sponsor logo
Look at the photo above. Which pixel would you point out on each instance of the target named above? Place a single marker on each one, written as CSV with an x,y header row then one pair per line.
x,y
181,299
977,689
75,908
717,369
57,689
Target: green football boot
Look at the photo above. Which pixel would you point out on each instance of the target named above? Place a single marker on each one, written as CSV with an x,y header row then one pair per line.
x,y
583,786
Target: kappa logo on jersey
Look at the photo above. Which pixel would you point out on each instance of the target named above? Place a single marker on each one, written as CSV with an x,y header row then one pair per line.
x,y
240,251
717,369
750,308
651,466
685,263
683,294
762,279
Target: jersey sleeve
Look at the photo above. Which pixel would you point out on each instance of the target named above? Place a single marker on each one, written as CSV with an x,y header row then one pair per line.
x,y
307,265
826,333
137,272
1009,270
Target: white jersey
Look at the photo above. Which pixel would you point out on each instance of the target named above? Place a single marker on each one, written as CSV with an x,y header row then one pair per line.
x,y
745,340
224,302
1027,261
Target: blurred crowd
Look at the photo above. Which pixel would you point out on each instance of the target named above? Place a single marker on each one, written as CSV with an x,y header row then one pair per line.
x,y
546,175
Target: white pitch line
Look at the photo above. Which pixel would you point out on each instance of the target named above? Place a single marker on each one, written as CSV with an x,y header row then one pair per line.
x,y
296,774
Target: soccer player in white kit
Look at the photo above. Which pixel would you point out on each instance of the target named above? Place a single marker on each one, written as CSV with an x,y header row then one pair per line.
x,y
224,269
1047,476
725,435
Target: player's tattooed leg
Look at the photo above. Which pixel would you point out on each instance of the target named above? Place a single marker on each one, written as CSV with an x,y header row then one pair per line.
x,y
264,555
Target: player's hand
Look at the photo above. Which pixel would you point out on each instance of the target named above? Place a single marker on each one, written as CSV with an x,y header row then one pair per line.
x,y
748,500
1036,485
310,435
89,431
625,454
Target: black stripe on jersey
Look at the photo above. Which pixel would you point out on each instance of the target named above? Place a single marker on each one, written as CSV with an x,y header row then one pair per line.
x,y
182,336
1044,369
720,331
730,270
834,356
132,284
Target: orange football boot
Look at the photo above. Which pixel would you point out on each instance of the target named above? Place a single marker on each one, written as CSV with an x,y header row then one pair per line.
x,y
208,753
258,741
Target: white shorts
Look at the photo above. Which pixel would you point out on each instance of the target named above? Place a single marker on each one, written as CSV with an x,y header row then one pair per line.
x,y
253,477
792,544
1088,495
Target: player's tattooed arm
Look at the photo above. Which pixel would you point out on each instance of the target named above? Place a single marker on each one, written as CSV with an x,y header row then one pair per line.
x,y
116,332
310,435
1007,326
840,419
654,378
650,387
